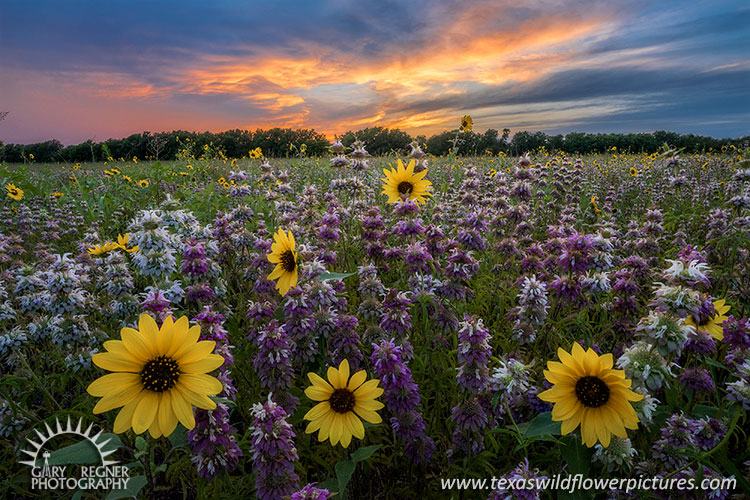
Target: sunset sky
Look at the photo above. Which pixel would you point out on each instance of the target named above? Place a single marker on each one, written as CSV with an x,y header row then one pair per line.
x,y
76,70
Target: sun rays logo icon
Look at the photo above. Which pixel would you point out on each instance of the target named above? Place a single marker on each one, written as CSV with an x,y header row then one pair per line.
x,y
49,472
96,439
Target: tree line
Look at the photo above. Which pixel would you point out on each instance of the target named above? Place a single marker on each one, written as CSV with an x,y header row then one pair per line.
x,y
283,142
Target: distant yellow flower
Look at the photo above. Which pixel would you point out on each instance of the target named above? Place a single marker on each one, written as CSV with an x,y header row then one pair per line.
x,y
135,159
633,171
256,153
127,178
713,324
284,255
58,194
403,183
14,192
159,375
466,123
108,246
76,166
143,183
594,204
122,242
31,155
343,402
73,179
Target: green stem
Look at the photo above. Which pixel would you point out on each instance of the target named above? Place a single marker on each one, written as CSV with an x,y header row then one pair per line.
x,y
38,382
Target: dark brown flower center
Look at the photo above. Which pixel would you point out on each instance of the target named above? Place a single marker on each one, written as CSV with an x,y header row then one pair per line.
x,y
160,374
288,262
342,401
592,391
405,187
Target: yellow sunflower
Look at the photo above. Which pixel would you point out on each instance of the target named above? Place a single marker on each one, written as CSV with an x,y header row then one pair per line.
x,y
466,123
14,192
108,246
343,402
143,183
284,256
713,324
587,391
402,183
123,241
160,373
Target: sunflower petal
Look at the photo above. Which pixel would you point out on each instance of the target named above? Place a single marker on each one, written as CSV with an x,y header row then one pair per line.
x,y
145,412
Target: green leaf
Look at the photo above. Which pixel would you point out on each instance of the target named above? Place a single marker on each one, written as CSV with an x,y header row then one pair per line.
x,y
179,437
542,424
135,484
333,276
344,472
84,452
140,443
576,455
701,411
365,452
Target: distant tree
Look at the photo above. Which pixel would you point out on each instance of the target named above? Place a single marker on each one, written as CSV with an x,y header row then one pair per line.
x,y
379,140
156,144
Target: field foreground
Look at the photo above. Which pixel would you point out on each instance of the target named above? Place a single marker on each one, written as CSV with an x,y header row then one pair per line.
x,y
523,319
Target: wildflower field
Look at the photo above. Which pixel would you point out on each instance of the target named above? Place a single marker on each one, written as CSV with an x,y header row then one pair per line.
x,y
368,327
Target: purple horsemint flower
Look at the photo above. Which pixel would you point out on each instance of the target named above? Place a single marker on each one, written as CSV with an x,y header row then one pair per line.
x,y
576,253
406,208
434,240
344,342
462,266
518,484
194,261
700,342
736,332
213,442
401,398
472,419
417,259
710,434
408,228
273,452
567,288
474,352
200,293
310,492
300,325
697,380
396,319
273,363
157,304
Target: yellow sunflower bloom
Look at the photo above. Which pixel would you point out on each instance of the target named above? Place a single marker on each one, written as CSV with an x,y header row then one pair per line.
x,y
159,375
14,192
587,391
466,123
284,256
713,325
143,183
343,402
58,194
402,183
122,242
